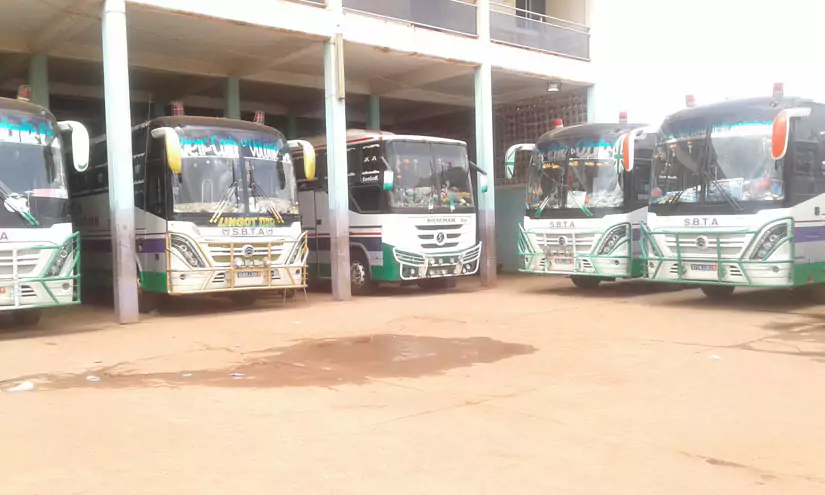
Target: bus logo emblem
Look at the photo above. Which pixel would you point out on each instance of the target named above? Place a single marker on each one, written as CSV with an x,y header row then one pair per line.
x,y
440,238
248,250
562,241
702,242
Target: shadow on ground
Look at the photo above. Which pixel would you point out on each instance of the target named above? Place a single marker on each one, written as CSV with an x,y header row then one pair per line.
x,y
770,300
317,363
607,290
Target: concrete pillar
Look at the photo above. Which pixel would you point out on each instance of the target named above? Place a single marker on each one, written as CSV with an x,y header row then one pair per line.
x,y
374,113
485,161
292,127
119,145
39,79
232,98
336,122
483,19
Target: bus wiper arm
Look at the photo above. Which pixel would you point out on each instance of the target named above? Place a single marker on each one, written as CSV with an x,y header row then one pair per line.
x,y
573,197
6,197
727,195
259,194
225,200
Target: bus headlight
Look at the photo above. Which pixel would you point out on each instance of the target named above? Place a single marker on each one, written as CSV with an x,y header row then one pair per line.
x,y
60,260
239,263
769,240
612,239
187,251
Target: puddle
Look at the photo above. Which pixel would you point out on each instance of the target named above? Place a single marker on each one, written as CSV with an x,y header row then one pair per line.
x,y
318,363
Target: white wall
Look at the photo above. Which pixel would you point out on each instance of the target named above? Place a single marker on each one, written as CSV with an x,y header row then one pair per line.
x,y
648,54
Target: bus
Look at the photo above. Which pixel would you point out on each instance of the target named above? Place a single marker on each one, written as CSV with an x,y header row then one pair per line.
x,y
738,196
39,262
587,191
412,214
216,210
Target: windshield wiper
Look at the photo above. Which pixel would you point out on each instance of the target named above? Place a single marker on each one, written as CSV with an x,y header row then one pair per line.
x,y
224,202
260,195
6,196
727,195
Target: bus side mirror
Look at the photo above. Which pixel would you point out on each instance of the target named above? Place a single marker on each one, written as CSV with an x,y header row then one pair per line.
x,y
173,147
510,158
309,156
626,146
782,130
80,143
483,182
389,178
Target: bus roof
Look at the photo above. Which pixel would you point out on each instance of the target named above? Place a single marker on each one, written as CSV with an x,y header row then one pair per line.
x,y
362,136
24,106
732,106
187,120
582,130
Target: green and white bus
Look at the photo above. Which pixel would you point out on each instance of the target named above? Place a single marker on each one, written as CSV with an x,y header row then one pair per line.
x,y
738,196
412,211
216,210
587,191
39,249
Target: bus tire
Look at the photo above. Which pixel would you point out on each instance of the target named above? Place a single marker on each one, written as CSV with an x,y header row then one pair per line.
x,y
588,283
361,282
147,301
26,317
717,291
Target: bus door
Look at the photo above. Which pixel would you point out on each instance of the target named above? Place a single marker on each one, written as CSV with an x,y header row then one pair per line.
x,y
152,213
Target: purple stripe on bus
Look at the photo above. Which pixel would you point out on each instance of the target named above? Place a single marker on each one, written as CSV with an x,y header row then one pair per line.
x,y
151,246
809,234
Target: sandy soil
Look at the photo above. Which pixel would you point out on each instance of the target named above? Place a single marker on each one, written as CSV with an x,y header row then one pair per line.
x,y
532,387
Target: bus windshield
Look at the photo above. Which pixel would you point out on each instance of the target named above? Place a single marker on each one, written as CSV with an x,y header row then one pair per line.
x,y
231,171
32,176
429,175
722,161
575,173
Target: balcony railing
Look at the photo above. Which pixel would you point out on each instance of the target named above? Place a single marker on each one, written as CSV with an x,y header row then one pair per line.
x,y
447,15
531,30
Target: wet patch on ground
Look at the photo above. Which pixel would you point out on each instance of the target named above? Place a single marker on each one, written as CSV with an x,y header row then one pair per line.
x,y
316,363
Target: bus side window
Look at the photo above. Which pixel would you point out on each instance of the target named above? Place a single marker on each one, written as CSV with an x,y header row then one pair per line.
x,y
354,164
366,193
155,184
139,165
321,169
808,174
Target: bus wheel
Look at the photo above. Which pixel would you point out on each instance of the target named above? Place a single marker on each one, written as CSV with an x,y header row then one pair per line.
x,y
359,273
147,301
26,317
243,299
586,282
717,291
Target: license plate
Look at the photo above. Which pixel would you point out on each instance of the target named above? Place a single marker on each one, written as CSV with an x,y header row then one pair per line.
x,y
562,261
703,268
251,274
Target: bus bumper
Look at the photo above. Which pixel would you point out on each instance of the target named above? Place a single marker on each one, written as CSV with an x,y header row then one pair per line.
x,y
417,266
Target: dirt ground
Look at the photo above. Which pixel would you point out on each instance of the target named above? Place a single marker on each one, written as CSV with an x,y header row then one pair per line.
x,y
532,387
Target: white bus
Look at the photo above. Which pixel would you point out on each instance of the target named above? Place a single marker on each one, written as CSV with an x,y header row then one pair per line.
x,y
39,262
584,202
738,196
412,214
216,210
